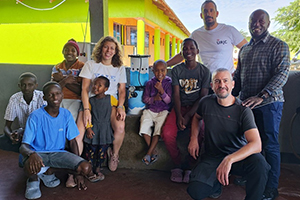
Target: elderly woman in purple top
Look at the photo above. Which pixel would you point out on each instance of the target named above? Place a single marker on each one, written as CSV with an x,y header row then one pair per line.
x,y
157,97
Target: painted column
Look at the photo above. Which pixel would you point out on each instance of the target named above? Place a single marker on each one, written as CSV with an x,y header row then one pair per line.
x,y
156,44
167,46
140,37
173,46
178,46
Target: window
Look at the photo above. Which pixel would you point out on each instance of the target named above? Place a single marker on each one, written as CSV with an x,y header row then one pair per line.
x,y
117,32
146,39
131,35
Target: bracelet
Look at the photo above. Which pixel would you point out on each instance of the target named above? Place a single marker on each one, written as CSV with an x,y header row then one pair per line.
x,y
120,107
86,109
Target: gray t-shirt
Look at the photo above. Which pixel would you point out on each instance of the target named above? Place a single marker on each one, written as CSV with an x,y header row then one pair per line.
x,y
190,82
224,126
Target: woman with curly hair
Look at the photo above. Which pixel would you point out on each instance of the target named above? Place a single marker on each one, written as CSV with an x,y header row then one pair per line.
x,y
107,61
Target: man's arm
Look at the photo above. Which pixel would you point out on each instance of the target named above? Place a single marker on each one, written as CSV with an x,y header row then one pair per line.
x,y
177,108
193,147
74,147
242,43
252,147
175,60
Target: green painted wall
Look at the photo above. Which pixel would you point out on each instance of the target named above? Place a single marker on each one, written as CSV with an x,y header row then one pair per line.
x,y
126,8
36,37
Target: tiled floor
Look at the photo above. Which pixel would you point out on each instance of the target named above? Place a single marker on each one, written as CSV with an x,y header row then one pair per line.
x,y
126,184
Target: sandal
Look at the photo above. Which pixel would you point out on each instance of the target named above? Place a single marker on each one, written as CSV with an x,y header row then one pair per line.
x,y
186,177
101,176
154,158
176,175
146,159
33,190
94,178
50,181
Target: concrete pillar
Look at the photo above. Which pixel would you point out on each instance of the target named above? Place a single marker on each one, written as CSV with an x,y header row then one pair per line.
x,y
178,46
173,46
156,44
167,46
140,37
98,19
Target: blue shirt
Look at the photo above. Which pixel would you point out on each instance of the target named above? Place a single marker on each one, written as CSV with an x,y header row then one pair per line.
x,y
45,133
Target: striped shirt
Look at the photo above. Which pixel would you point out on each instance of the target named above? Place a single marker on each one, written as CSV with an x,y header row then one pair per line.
x,y
18,108
262,66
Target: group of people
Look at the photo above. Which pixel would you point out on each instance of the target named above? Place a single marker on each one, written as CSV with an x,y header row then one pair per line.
x,y
235,113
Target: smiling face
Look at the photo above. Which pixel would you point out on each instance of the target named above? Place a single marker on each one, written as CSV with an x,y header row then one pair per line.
x,y
108,51
222,84
53,95
209,15
100,87
258,23
189,50
160,70
70,53
27,85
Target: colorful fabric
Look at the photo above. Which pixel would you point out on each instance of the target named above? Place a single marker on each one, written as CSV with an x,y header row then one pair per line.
x,y
95,154
75,70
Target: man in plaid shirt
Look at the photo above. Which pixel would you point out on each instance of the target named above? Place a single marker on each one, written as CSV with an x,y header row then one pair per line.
x,y
262,71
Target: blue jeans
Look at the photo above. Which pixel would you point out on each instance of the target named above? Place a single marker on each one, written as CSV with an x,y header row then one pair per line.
x,y
268,119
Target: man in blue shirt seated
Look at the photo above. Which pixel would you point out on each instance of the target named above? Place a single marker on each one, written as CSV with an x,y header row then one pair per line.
x,y
43,144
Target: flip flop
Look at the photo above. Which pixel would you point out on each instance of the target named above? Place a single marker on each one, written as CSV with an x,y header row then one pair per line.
x,y
50,181
94,178
147,159
154,158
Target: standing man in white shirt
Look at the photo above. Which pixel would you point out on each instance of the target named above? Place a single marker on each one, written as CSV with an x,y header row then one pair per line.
x,y
215,40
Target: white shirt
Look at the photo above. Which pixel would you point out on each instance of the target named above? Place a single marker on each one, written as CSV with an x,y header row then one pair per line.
x,y
18,108
216,46
92,70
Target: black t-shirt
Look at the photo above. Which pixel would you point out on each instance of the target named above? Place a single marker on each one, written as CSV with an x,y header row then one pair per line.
x,y
224,126
190,82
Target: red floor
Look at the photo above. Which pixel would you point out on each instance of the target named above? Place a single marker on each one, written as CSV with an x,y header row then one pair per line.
x,y
125,184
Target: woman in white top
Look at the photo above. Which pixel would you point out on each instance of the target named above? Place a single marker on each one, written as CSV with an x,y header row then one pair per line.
x,y
106,62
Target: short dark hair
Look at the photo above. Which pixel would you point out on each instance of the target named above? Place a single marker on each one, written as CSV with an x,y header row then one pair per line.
x,y
107,82
159,61
27,74
209,1
189,39
48,84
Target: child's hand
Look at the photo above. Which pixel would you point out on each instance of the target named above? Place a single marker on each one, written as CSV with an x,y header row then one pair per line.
x,y
58,76
181,123
90,133
157,97
159,87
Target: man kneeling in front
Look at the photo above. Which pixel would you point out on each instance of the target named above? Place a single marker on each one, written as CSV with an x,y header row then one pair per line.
x,y
232,144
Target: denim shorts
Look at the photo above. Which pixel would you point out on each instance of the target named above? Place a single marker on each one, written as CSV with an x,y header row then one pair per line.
x,y
65,160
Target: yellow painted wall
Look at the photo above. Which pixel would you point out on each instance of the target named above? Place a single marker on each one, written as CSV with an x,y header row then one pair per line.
x,y
36,37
